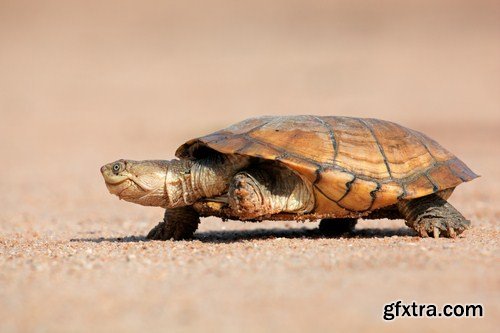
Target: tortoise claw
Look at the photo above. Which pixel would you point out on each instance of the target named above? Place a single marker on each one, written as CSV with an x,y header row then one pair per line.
x,y
156,232
435,232
423,233
452,233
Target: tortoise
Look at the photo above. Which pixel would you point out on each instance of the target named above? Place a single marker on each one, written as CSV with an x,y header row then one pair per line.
x,y
336,169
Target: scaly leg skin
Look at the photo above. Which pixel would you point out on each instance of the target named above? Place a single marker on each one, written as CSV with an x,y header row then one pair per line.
x,y
432,215
178,223
267,191
246,198
337,227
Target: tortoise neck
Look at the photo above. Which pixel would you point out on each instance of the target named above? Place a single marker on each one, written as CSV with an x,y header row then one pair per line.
x,y
189,181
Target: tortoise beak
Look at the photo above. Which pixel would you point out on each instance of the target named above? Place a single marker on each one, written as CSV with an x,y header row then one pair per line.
x,y
110,177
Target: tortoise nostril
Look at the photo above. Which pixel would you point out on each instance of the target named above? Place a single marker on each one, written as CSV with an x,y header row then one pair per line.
x,y
103,168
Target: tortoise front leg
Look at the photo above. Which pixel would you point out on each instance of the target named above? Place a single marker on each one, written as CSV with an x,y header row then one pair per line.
x,y
249,196
178,223
267,191
433,215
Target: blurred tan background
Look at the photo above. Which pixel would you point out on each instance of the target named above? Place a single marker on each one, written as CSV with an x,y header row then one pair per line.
x,y
87,82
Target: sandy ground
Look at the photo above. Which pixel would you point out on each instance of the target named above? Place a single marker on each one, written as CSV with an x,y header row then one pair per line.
x,y
86,83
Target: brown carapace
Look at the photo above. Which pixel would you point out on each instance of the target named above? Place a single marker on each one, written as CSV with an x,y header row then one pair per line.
x,y
355,165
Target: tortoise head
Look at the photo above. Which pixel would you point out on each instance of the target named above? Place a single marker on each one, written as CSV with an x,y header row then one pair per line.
x,y
141,182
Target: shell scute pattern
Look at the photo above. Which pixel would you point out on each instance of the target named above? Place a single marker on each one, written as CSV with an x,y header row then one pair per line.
x,y
353,164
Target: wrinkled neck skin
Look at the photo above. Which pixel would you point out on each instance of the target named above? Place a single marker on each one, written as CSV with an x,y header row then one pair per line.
x,y
173,183
189,181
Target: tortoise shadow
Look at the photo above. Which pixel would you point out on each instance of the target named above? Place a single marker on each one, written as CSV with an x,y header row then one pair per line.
x,y
233,236
228,236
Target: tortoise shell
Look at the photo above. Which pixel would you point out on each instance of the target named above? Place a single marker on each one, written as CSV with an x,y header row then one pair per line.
x,y
353,164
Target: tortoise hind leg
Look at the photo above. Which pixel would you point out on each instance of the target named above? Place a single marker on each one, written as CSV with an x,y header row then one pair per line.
x,y
433,215
178,223
337,227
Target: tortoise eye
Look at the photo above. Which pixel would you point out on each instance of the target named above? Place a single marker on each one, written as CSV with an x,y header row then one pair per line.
x,y
116,168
